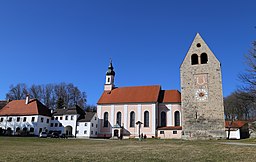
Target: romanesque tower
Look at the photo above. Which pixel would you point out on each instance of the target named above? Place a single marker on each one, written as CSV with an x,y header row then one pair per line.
x,y
201,93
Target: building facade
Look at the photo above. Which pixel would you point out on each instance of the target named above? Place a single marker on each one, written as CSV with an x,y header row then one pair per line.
x,y
201,93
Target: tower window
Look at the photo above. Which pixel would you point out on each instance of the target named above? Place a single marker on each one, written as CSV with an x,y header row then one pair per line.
x,y
198,45
204,58
194,59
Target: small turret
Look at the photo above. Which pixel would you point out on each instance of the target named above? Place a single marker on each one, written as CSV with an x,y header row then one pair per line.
x,y
110,75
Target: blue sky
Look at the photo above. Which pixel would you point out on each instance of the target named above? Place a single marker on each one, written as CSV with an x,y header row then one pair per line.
x,y
72,41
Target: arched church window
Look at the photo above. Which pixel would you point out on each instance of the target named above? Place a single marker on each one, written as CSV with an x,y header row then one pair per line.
x,y
118,118
204,58
163,119
146,119
105,119
132,119
177,118
194,59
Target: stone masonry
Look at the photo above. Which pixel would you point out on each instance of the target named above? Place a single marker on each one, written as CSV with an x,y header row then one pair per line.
x,y
201,93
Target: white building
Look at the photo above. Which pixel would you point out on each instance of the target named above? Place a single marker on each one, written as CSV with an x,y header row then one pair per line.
x,y
23,117
74,122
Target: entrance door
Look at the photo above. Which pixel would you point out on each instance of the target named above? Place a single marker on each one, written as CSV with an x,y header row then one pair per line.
x,y
115,133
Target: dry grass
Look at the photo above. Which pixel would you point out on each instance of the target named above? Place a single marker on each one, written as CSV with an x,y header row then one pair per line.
x,y
35,149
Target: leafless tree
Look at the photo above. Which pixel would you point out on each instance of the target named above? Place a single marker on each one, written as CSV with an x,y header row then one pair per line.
x,y
17,92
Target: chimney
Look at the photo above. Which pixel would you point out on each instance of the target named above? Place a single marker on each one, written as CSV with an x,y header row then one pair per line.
x,y
27,99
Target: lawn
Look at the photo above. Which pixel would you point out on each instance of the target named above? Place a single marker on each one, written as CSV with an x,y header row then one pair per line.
x,y
36,149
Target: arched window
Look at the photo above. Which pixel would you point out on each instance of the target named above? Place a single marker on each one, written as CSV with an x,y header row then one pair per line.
x,y
105,119
194,59
177,118
204,58
132,119
146,119
163,119
118,118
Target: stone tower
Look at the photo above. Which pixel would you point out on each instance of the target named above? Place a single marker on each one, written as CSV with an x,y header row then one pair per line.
x,y
201,93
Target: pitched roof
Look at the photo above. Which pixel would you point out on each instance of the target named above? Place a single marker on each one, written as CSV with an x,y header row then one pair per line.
x,y
170,128
136,94
73,110
235,124
167,96
87,117
19,107
2,104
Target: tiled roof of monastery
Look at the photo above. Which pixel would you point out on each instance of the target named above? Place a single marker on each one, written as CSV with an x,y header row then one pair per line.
x,y
139,94
87,117
235,124
73,110
19,107
169,96
170,128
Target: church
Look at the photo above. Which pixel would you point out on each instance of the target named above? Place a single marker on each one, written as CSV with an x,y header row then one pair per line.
x,y
197,112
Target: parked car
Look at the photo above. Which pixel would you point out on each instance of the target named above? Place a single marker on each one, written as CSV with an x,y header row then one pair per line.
x,y
63,136
43,135
55,135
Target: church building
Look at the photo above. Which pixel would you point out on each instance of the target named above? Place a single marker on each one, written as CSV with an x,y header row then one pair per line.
x,y
196,112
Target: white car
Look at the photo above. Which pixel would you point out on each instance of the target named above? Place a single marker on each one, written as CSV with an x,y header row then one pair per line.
x,y
43,135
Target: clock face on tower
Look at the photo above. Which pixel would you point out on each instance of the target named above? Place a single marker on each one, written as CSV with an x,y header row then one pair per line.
x,y
201,95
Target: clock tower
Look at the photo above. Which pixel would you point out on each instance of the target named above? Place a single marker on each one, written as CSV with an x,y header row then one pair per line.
x,y
201,93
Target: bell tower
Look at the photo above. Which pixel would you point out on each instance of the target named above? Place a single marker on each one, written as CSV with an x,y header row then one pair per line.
x,y
110,76
201,93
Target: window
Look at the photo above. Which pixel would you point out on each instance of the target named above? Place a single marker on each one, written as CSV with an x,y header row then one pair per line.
x,y
10,119
85,132
18,119
85,124
2,119
105,119
177,118
31,129
118,118
66,117
77,131
78,124
51,124
95,118
72,117
96,125
174,132
132,119
60,124
146,119
96,133
163,119
24,119
194,59
40,130
56,124
92,124
56,118
61,118
42,120
47,121
91,132
204,58
33,119
161,132
52,118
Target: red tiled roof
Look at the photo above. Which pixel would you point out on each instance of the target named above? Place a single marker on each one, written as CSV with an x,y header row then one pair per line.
x,y
137,94
19,107
171,96
170,128
235,124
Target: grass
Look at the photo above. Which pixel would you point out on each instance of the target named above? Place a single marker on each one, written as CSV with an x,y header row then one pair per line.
x,y
36,149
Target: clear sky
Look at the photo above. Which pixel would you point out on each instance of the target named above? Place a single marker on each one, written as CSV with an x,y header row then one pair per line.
x,y
72,41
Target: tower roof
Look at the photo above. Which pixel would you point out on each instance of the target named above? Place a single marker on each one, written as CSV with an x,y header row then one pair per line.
x,y
110,70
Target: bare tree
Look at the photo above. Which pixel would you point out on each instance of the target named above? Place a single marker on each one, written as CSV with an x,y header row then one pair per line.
x,y
17,92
